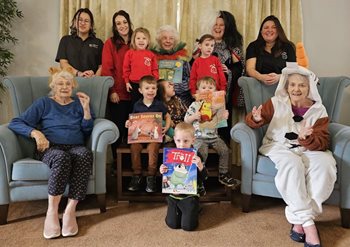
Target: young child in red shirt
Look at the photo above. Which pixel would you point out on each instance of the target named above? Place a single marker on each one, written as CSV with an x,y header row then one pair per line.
x,y
139,62
207,65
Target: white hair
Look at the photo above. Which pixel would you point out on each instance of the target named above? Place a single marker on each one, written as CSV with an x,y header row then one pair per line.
x,y
169,29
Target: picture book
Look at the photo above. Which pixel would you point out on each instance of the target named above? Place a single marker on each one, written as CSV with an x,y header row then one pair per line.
x,y
145,127
171,70
181,177
212,109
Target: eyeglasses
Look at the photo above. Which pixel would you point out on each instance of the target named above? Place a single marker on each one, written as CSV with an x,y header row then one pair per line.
x,y
84,21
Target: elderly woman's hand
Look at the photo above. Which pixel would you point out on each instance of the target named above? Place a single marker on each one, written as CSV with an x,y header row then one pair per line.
x,y
305,131
85,103
41,142
256,113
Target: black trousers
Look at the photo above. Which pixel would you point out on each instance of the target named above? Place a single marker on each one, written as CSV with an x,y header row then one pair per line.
x,y
182,213
118,114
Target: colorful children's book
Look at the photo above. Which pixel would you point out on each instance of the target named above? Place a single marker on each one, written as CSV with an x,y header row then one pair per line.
x,y
181,177
212,109
145,127
171,70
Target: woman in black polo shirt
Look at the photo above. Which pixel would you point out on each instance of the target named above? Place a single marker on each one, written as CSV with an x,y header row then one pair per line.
x,y
268,54
81,49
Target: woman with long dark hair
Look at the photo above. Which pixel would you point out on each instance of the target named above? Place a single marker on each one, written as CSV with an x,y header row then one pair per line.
x,y
119,101
268,54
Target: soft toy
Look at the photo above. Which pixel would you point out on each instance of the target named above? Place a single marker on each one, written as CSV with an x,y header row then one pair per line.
x,y
302,58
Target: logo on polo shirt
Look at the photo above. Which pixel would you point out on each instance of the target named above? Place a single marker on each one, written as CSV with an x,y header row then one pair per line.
x,y
284,55
93,46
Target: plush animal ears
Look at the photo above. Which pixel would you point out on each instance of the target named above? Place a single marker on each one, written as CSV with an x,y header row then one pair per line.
x,y
55,70
58,72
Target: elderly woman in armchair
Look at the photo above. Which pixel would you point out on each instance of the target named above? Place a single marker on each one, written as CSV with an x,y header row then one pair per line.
x,y
65,122
297,140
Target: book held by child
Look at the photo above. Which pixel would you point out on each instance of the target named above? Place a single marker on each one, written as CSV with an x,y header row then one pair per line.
x,y
145,127
181,177
212,109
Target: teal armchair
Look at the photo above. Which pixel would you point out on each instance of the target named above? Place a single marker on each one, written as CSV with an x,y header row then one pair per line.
x,y
21,177
258,171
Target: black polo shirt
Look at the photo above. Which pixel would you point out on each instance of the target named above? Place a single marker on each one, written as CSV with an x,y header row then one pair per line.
x,y
156,106
266,62
82,55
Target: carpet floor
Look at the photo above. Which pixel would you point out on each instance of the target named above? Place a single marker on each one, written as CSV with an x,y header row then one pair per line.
x,y
142,224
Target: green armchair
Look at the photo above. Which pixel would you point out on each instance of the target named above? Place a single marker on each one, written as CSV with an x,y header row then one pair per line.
x,y
258,171
21,177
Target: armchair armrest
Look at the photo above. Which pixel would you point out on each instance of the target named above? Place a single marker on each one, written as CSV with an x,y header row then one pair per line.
x,y
249,139
340,146
104,132
10,151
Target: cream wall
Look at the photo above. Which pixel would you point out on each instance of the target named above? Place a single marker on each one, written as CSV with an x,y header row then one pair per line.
x,y
327,36
38,34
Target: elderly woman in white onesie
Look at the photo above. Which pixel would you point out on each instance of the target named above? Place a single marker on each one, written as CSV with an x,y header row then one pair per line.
x,y
296,141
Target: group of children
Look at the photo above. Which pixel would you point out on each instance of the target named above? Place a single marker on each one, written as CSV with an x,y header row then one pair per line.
x,y
149,94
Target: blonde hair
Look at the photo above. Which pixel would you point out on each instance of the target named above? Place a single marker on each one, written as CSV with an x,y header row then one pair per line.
x,y
207,80
140,30
185,127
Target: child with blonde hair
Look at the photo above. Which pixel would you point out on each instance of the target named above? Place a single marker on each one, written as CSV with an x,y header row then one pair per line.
x,y
139,61
183,210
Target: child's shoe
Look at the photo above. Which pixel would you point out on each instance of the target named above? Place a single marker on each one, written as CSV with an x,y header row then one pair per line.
x,y
135,183
226,179
201,190
151,184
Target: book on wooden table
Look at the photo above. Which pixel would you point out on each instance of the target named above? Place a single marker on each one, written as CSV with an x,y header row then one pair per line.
x,y
145,127
181,177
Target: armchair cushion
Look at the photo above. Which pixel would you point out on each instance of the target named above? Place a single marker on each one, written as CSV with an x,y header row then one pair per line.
x,y
30,169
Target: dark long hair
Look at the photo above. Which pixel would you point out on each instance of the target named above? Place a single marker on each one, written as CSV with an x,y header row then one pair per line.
x,y
281,40
231,35
74,29
118,40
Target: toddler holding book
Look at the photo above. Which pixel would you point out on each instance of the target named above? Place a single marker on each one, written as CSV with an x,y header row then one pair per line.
x,y
207,133
148,103
183,210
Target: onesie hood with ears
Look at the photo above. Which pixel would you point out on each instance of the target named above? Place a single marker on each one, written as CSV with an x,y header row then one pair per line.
x,y
293,68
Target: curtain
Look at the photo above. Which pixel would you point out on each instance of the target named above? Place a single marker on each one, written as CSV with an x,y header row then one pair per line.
x,y
192,17
150,14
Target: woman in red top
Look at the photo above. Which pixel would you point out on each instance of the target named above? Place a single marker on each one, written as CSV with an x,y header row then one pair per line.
x,y
112,65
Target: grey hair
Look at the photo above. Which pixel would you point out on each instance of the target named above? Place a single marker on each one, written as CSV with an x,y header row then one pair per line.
x,y
170,29
62,74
